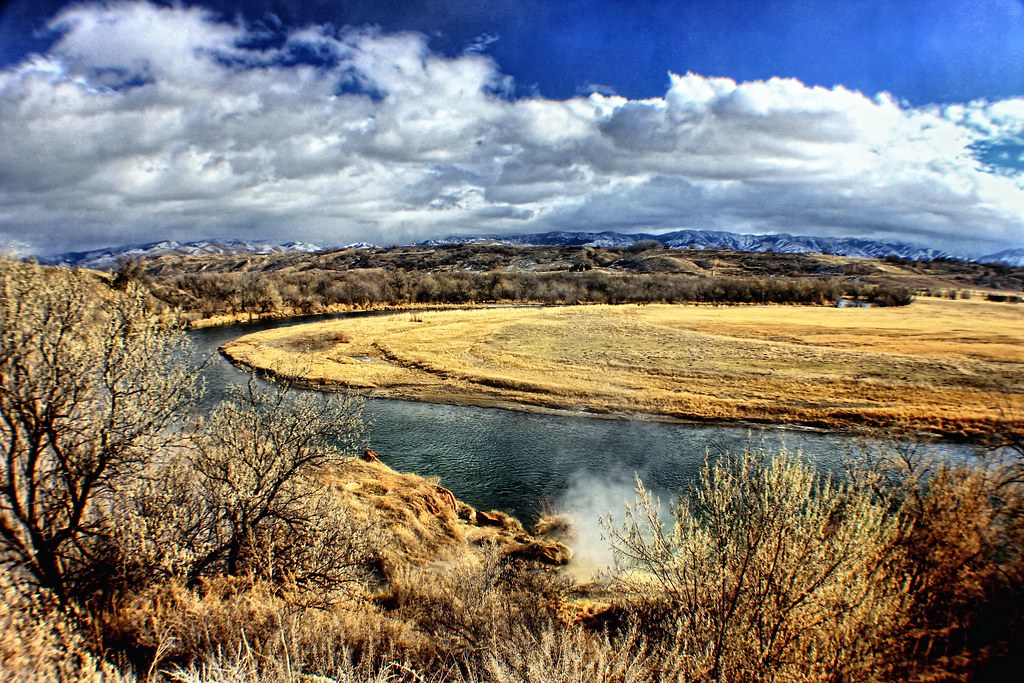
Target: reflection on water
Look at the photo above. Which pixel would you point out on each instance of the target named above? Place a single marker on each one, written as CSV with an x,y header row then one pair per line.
x,y
517,462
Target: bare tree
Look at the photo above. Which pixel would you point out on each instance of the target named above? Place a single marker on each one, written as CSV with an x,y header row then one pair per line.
x,y
259,462
90,385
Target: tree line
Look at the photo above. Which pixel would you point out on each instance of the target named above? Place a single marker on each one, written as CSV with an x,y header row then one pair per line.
x,y
207,294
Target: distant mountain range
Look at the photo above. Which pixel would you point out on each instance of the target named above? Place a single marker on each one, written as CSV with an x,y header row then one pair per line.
x,y
106,259
103,259
1011,257
714,239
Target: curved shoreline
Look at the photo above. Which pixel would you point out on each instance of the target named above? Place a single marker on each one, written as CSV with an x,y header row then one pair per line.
x,y
242,319
468,400
850,428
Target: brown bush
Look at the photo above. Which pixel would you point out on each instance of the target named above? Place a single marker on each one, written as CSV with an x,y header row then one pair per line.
x,y
963,545
765,573
39,643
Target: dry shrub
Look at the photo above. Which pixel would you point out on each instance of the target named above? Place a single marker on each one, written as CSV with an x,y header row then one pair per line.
x,y
248,628
164,527
40,644
171,624
568,654
474,605
964,558
963,545
950,568
247,666
306,538
766,572
458,603
245,632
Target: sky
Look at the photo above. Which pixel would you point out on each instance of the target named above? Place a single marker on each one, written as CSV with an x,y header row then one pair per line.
x,y
337,122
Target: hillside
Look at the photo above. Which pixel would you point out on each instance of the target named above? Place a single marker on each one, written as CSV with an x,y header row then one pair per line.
x,y
108,259
713,240
221,288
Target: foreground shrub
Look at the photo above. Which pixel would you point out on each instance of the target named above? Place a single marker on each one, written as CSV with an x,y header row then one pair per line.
x,y
963,546
559,653
40,644
258,464
765,572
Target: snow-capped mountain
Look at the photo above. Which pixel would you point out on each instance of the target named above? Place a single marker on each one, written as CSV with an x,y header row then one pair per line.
x,y
105,259
712,239
546,239
1009,257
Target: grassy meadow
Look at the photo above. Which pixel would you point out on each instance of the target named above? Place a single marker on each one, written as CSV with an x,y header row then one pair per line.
x,y
950,366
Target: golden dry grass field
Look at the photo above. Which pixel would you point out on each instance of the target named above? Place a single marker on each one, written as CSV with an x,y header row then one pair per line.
x,y
955,367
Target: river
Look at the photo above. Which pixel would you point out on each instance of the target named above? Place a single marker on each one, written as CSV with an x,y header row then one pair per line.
x,y
521,462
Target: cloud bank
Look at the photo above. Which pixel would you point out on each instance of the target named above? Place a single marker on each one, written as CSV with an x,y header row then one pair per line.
x,y
145,122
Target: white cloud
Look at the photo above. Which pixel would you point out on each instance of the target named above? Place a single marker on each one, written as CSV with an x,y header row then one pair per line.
x,y
145,123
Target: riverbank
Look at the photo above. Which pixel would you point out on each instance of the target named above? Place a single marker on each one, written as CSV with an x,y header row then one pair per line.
x,y
229,319
955,368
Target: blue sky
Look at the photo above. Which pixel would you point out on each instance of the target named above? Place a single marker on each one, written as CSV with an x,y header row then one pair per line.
x,y
337,122
923,52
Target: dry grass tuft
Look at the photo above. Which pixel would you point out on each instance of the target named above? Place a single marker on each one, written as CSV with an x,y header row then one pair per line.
x,y
39,644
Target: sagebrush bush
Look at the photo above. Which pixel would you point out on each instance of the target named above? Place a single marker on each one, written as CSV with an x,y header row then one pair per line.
x,y
39,643
765,572
963,554
561,653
